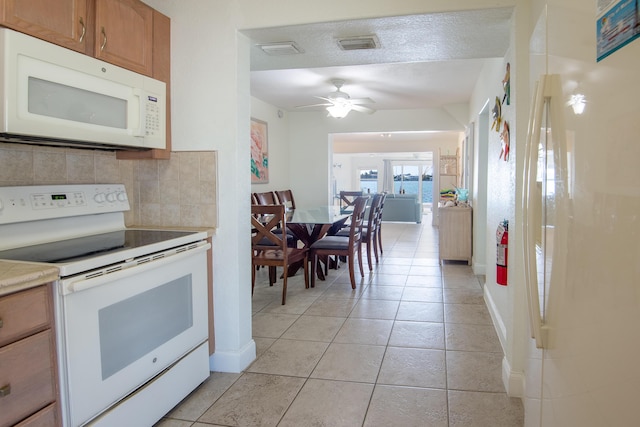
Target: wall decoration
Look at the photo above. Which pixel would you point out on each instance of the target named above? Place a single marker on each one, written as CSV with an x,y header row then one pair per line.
x,y
259,152
616,27
496,113
504,137
506,84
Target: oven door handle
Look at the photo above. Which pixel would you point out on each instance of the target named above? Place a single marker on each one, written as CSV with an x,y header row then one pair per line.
x,y
127,269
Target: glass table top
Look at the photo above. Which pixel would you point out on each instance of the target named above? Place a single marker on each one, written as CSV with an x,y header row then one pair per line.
x,y
316,215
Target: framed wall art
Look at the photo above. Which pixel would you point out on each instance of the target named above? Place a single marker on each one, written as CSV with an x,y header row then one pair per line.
x,y
259,152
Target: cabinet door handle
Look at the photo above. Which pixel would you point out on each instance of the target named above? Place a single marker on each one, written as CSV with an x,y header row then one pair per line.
x,y
104,39
84,30
5,390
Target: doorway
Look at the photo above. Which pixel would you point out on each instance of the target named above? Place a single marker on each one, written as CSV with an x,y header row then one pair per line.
x,y
480,162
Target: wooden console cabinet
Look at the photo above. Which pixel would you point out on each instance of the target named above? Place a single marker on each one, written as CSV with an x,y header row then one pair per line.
x,y
455,233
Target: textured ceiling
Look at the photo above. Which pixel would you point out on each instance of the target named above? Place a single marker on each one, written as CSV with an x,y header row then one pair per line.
x,y
424,61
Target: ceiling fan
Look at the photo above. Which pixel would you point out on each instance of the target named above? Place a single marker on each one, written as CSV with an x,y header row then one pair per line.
x,y
339,103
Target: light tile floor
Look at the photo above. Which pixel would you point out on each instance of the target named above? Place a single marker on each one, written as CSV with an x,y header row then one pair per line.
x,y
413,345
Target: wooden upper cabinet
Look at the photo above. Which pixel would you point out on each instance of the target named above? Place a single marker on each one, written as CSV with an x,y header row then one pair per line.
x,y
124,34
63,22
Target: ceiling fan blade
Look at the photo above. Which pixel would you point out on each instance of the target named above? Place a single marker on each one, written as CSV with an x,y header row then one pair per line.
x,y
332,101
362,101
362,109
314,105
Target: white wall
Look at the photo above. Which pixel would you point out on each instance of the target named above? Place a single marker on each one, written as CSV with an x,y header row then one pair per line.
x,y
310,139
503,193
211,109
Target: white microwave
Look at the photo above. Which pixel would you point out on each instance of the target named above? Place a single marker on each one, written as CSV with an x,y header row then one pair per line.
x,y
55,96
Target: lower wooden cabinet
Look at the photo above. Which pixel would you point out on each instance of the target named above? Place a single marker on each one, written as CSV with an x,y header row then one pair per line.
x,y
28,374
455,234
46,417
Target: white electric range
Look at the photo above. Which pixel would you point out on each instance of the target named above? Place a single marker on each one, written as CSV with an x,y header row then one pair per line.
x,y
130,304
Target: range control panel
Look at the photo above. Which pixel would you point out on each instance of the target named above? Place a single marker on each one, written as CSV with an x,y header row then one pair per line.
x,y
31,203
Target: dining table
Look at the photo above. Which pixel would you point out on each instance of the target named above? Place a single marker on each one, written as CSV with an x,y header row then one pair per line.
x,y
313,223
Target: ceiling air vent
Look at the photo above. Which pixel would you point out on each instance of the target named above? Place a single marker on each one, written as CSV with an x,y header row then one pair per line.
x,y
360,42
280,48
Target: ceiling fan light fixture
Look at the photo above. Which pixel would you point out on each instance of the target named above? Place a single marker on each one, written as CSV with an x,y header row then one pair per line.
x,y
339,111
359,42
281,48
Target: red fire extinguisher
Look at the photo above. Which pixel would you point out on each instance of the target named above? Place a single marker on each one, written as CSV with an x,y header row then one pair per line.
x,y
502,252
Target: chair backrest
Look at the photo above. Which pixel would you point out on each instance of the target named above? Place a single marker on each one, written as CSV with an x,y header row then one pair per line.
x,y
285,197
374,212
266,198
357,220
383,197
254,201
348,198
264,220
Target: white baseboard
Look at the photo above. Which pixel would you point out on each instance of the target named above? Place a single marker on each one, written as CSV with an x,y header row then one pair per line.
x,y
479,269
498,324
233,361
513,381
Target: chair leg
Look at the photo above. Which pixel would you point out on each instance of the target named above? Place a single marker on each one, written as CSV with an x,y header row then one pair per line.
x,y
314,260
380,240
284,286
306,272
352,275
360,260
272,275
375,246
253,278
369,255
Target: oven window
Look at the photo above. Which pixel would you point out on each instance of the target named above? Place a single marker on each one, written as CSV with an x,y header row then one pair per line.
x,y
132,328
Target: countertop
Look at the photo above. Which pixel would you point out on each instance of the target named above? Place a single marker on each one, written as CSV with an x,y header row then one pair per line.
x,y
16,276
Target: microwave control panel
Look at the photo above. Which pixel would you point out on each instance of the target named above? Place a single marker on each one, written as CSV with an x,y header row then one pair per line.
x,y
152,120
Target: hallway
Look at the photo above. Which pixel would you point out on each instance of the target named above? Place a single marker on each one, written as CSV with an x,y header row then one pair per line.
x,y
413,345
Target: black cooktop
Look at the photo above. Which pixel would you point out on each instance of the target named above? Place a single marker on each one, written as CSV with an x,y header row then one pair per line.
x,y
90,246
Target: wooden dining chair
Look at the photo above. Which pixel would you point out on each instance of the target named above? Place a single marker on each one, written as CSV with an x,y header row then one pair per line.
x,y
348,199
347,246
285,197
270,249
270,198
370,229
266,198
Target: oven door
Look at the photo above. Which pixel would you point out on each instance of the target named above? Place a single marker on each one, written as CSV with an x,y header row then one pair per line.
x,y
122,329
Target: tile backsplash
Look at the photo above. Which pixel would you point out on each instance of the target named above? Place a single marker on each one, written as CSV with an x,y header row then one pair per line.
x,y
180,192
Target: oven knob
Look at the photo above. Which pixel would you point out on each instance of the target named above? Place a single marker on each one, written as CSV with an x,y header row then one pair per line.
x,y
99,198
111,197
122,196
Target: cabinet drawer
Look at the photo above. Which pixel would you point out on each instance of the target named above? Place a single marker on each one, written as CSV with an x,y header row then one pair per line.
x,y
48,417
27,375
23,313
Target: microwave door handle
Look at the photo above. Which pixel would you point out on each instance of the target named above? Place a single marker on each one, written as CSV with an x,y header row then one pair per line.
x,y
140,109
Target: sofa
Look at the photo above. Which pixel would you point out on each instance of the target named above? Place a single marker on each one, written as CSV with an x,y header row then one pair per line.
x,y
402,208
